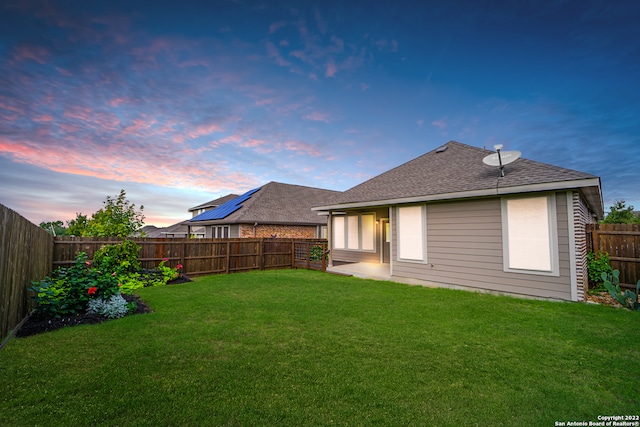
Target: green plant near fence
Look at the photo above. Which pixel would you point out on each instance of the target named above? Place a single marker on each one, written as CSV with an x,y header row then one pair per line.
x,y
597,265
628,298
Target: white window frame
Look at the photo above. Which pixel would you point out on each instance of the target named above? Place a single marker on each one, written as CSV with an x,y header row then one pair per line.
x,y
551,235
351,236
412,229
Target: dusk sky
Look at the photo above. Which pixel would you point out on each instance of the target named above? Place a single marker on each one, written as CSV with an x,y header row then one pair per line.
x,y
181,102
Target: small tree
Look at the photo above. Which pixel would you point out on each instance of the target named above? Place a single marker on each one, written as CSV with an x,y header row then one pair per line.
x,y
620,214
118,218
54,227
78,226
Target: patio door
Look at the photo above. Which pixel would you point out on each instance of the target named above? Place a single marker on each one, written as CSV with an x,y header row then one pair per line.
x,y
386,241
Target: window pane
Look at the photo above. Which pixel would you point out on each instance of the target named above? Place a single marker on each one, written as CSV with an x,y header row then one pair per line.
x,y
528,231
338,232
410,233
352,232
368,233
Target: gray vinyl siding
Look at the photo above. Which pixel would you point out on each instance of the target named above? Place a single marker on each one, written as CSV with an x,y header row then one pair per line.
x,y
350,255
464,248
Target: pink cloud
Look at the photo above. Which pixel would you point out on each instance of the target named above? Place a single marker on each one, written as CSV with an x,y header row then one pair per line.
x,y
36,53
276,26
318,117
138,126
331,69
439,123
274,54
64,72
302,147
116,101
130,163
42,118
203,130
264,101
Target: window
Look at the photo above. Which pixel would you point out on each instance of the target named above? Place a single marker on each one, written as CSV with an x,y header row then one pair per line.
x,y
220,232
353,242
529,235
355,232
197,232
411,233
368,234
338,232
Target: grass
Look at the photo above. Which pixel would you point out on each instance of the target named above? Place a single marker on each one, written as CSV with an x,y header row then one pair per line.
x,y
296,347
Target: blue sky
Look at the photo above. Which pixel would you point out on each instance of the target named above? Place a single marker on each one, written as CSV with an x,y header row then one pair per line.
x,y
179,103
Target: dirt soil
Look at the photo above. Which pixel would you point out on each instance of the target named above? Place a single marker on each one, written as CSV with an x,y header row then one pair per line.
x,y
37,324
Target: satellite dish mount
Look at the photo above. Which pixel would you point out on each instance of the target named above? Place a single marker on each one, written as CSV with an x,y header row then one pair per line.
x,y
501,159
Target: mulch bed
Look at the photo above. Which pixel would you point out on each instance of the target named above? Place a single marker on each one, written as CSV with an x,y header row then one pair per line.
x,y
37,324
603,298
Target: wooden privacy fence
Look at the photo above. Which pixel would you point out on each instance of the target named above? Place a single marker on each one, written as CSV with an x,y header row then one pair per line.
x,y
206,256
622,243
25,255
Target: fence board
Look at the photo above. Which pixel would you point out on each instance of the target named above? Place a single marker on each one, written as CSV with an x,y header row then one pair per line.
x,y
26,253
622,243
204,256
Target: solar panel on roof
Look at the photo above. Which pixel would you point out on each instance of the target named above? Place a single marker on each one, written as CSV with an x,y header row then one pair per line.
x,y
225,209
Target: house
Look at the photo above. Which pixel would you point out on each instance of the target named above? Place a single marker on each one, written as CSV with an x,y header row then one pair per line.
x,y
273,210
197,210
180,230
447,219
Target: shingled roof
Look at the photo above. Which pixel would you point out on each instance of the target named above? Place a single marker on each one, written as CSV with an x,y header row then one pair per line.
x,y
456,170
278,203
214,203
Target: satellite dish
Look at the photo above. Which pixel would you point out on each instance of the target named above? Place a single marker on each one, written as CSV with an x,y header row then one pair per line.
x,y
501,158
506,157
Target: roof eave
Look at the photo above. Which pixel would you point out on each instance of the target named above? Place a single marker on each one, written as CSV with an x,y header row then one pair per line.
x,y
592,195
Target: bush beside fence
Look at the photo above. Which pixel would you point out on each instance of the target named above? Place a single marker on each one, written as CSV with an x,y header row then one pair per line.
x,y
26,254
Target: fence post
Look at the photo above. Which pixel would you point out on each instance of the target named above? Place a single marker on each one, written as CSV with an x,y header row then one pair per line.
x,y
182,259
227,258
261,254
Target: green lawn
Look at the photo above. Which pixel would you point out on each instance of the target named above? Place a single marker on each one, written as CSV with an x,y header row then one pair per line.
x,y
296,347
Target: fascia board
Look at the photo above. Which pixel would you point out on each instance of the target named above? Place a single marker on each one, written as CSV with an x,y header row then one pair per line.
x,y
530,188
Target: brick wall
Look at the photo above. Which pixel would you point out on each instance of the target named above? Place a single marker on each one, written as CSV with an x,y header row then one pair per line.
x,y
280,231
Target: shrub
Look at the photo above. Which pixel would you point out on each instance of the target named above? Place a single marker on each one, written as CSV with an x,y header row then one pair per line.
x,y
113,308
119,258
597,265
68,290
315,254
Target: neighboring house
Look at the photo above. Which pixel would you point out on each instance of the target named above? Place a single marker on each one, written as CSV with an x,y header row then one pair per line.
x,y
197,210
181,229
447,219
273,210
